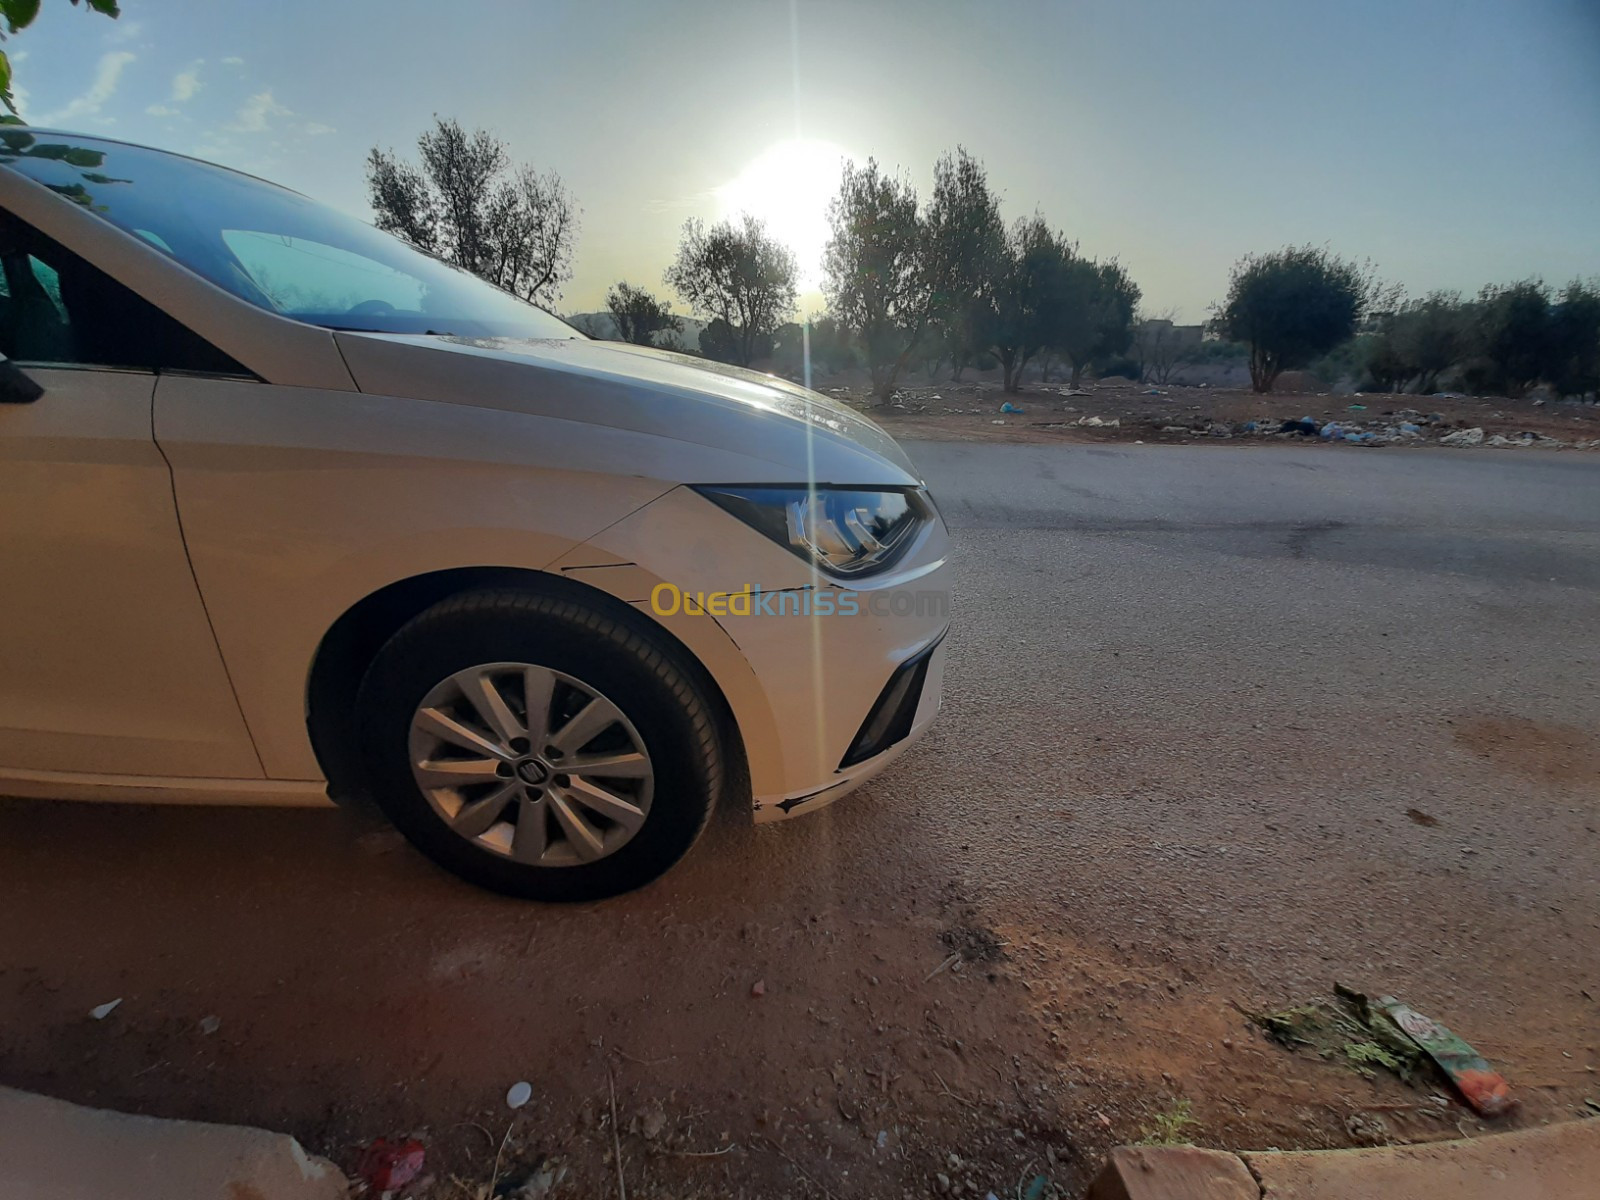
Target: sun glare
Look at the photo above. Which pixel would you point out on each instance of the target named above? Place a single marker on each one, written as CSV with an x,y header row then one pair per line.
x,y
788,186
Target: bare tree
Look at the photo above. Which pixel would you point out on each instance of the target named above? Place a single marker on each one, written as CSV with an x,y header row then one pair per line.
x,y
639,315
737,273
1155,346
876,278
515,227
535,236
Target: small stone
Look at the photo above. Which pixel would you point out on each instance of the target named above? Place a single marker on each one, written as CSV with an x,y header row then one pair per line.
x,y
209,1025
380,841
941,1184
520,1093
758,988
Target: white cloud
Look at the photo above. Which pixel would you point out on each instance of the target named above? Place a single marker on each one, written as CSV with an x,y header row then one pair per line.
x,y
187,82
317,128
233,60
254,114
124,31
106,77
161,110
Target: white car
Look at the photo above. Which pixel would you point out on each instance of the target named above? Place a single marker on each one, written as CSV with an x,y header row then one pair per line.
x,y
290,511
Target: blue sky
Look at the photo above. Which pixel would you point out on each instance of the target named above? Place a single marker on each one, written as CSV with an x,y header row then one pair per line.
x,y
1454,142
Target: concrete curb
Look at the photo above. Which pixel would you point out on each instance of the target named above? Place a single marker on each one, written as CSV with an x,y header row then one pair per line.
x,y
1555,1162
53,1150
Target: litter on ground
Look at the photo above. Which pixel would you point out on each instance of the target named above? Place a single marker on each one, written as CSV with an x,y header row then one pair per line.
x,y
1365,1036
387,1165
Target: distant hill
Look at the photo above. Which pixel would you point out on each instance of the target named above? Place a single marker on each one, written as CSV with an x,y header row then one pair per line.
x,y
602,325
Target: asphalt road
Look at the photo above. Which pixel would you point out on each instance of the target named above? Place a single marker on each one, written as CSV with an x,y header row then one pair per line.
x,y
1240,669
1223,725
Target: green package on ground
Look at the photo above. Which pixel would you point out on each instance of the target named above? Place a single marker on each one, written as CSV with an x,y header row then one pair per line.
x,y
1483,1087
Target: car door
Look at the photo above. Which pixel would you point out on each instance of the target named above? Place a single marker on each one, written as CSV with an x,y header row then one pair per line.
x,y
108,665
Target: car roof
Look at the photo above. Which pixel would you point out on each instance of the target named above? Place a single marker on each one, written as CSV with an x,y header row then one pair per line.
x,y
95,137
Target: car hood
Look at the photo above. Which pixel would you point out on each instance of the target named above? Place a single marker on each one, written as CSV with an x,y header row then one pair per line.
x,y
795,432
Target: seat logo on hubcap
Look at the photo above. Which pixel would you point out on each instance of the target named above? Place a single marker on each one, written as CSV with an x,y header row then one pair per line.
x,y
532,771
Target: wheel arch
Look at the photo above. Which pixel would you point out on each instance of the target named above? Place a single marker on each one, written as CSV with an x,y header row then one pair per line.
x,y
354,639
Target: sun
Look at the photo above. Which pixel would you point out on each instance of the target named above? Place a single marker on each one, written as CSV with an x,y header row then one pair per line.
x,y
788,186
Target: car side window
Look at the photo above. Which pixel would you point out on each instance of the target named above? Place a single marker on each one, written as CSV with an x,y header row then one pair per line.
x,y
58,309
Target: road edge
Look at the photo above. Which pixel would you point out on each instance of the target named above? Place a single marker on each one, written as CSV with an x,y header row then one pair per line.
x,y
55,1150
1552,1162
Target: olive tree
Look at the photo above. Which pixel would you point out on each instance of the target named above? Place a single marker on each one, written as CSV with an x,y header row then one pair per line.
x,y
1017,320
639,315
1292,306
966,254
875,270
1574,355
466,202
1421,341
1512,334
738,273
1089,311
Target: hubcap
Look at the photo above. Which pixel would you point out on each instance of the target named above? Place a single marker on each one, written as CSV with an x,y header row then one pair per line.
x,y
531,764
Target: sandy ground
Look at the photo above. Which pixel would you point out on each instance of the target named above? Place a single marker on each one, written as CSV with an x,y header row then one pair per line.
x,y
1221,728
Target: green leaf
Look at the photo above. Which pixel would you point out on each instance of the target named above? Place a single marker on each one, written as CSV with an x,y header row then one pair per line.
x,y
19,13
107,7
5,83
75,192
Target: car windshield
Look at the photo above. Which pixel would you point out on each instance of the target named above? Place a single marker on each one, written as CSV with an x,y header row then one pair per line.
x,y
270,246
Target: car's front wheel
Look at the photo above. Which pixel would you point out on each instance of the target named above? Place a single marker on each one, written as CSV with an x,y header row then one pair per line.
x,y
539,746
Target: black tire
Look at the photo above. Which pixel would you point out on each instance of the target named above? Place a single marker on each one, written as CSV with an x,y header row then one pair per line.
x,y
605,646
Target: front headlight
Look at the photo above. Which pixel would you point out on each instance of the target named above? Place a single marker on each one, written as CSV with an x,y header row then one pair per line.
x,y
848,532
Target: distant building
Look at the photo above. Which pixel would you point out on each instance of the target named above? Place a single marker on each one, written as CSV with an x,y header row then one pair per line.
x,y
1157,330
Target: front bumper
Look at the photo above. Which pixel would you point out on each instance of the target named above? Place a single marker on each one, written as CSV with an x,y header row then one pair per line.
x,y
802,671
923,706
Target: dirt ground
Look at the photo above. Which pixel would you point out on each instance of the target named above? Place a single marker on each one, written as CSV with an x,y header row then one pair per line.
x,y
971,411
730,1039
